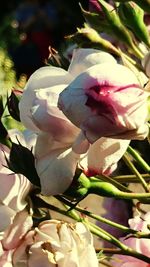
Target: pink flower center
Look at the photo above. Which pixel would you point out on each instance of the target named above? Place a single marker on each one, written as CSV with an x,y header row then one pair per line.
x,y
101,100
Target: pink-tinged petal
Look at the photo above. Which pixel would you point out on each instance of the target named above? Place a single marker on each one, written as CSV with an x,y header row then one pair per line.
x,y
42,78
105,126
141,245
56,170
6,259
103,156
40,257
6,216
47,230
14,189
20,255
94,6
106,100
85,58
140,222
63,245
49,118
21,224
73,100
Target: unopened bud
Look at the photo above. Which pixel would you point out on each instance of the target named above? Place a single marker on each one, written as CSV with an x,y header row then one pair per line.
x,y
132,16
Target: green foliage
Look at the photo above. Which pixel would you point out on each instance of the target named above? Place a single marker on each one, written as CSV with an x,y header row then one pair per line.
x,y
21,160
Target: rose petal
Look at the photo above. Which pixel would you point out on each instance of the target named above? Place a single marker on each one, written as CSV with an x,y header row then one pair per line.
x,y
21,224
103,156
83,58
56,171
49,118
13,192
42,78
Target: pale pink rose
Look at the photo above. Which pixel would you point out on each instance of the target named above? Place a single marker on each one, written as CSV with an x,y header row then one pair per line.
x,y
141,245
106,101
58,243
60,143
46,83
13,237
14,188
56,162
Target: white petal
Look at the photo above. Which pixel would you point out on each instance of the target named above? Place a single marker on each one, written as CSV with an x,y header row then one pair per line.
x,y
81,144
84,58
39,257
26,138
42,78
49,118
21,224
6,215
14,189
56,171
103,155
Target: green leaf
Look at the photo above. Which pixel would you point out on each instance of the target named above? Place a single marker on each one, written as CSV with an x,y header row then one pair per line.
x,y
21,160
13,106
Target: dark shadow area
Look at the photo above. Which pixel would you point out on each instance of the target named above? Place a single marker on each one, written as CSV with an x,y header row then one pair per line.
x,y
29,27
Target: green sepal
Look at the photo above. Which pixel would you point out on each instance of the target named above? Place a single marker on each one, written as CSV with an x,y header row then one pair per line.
x,y
132,16
21,161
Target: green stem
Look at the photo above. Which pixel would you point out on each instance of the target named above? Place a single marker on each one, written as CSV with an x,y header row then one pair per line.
x,y
100,233
114,182
104,220
137,51
127,57
40,203
72,213
126,250
131,178
139,159
143,197
135,171
106,189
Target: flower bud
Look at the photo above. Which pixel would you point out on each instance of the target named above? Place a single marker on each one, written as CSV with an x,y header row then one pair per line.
x,y
132,16
106,101
57,243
